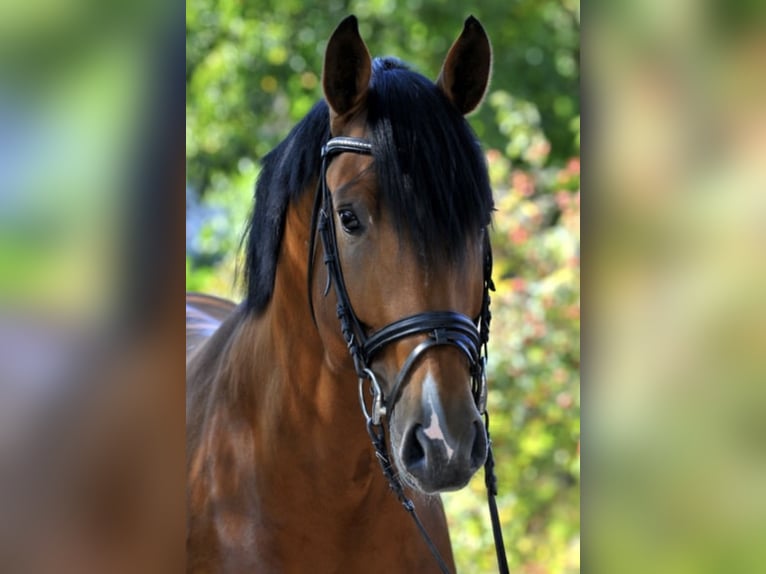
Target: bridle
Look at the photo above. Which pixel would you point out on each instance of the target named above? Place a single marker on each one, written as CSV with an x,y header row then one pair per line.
x,y
441,328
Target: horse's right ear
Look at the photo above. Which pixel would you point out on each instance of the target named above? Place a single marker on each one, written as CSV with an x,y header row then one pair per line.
x,y
347,69
466,70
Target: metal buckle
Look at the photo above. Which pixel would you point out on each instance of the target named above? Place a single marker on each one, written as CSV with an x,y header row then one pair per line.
x,y
378,408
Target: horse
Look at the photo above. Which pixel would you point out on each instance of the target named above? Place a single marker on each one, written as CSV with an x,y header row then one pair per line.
x,y
367,260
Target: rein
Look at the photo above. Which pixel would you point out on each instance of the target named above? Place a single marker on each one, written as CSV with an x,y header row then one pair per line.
x,y
441,327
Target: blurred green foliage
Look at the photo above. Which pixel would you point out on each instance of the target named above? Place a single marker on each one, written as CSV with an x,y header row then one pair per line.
x,y
253,70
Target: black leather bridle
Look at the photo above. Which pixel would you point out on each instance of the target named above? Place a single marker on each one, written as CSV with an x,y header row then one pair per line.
x,y
440,327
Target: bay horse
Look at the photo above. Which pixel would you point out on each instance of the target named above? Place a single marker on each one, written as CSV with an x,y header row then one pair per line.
x,y
367,261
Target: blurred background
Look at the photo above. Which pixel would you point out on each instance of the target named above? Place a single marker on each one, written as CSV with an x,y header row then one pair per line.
x,y
91,353
675,237
253,70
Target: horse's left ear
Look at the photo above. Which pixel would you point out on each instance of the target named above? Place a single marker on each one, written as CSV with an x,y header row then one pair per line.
x,y
465,73
347,68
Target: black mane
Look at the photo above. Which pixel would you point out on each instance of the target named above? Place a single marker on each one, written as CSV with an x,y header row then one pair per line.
x,y
430,169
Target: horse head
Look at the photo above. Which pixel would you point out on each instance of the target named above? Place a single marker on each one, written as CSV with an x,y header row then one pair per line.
x,y
403,209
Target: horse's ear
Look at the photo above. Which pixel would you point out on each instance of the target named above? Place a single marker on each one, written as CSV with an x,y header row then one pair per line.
x,y
465,73
347,68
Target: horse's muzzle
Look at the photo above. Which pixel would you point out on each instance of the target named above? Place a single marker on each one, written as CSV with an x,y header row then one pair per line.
x,y
434,461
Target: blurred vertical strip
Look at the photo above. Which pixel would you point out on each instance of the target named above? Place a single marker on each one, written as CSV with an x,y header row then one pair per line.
x,y
675,277
91,277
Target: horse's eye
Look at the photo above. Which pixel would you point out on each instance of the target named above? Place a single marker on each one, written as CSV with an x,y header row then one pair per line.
x,y
349,221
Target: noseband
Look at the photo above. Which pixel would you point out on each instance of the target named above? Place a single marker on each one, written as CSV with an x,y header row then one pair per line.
x,y
440,327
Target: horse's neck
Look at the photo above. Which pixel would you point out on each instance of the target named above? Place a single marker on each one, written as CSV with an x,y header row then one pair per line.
x,y
304,409
267,375
310,487
280,444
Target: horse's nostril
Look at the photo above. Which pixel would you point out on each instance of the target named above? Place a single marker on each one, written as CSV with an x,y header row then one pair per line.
x,y
479,448
412,451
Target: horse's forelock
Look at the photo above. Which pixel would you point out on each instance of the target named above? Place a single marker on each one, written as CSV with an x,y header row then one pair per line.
x,y
431,172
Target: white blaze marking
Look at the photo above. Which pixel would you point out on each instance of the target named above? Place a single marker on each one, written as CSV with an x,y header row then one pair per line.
x,y
434,429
